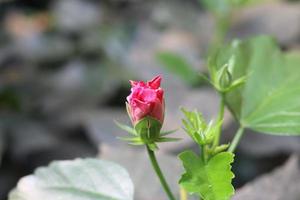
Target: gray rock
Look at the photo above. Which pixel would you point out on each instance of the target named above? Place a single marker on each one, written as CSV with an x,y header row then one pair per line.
x,y
260,145
280,20
282,183
2,144
141,57
76,15
101,127
79,85
172,14
28,136
147,185
263,144
43,49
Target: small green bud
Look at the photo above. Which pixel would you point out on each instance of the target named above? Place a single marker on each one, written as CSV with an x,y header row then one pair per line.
x,y
197,128
224,77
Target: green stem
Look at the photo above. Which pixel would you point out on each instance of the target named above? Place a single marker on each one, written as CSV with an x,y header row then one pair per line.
x,y
203,153
236,139
159,173
220,118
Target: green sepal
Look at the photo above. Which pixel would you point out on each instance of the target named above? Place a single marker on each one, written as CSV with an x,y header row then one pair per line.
x,y
205,78
126,128
146,132
164,133
152,146
218,149
167,139
221,148
148,129
132,140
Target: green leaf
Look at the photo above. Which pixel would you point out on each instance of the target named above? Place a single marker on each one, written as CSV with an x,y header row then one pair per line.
x,y
179,66
212,180
269,101
80,179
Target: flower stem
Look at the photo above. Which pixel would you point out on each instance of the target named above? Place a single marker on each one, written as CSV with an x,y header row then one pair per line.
x,y
220,118
236,139
159,173
203,153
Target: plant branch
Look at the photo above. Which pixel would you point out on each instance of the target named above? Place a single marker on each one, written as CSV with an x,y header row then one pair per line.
x,y
220,118
159,173
236,139
203,153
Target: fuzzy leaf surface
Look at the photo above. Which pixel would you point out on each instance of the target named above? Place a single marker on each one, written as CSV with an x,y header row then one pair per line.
x,y
81,179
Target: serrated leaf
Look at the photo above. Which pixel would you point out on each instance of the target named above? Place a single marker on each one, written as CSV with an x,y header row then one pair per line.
x,y
211,180
269,101
80,179
179,66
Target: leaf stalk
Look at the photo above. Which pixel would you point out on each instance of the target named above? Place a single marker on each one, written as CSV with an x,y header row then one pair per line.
x,y
236,139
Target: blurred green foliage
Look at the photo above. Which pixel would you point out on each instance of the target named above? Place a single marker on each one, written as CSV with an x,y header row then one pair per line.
x,y
179,66
269,101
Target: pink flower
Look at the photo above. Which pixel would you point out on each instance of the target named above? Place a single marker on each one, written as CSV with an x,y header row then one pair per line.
x,y
146,100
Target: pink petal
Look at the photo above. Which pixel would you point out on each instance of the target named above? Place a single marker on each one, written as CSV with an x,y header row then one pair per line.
x,y
157,110
155,82
139,109
160,94
133,83
137,83
147,95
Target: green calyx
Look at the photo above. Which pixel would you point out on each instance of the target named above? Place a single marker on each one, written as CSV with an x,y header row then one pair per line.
x,y
222,78
148,129
146,132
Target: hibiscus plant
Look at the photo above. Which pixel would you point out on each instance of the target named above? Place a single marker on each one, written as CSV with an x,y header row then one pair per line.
x,y
256,82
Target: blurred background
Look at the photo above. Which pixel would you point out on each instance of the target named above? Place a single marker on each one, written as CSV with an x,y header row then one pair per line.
x,y
64,71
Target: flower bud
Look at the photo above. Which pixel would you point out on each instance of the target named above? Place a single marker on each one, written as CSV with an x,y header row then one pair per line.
x,y
225,78
146,100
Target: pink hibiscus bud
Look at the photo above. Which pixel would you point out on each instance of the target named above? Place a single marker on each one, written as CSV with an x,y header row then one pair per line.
x,y
146,100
